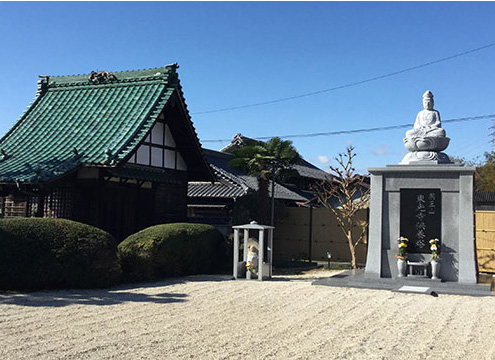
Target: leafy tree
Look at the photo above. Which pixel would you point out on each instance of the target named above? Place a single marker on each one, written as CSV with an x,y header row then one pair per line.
x,y
485,170
266,161
485,174
459,160
344,193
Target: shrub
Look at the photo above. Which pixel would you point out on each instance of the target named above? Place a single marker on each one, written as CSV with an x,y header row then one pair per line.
x,y
37,253
171,250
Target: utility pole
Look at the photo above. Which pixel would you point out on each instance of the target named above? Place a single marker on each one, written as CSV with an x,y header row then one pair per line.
x,y
493,136
272,212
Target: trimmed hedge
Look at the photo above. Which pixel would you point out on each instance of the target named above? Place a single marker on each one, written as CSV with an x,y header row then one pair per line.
x,y
170,250
38,253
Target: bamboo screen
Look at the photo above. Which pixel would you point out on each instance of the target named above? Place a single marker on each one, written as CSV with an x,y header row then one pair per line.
x,y
485,240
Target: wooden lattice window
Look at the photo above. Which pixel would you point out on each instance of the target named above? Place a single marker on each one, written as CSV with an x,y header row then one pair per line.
x,y
59,204
32,206
15,206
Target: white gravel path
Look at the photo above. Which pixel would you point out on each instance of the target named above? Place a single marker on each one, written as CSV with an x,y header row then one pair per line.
x,y
211,317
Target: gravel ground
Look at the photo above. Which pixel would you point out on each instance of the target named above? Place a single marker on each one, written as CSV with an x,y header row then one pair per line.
x,y
212,317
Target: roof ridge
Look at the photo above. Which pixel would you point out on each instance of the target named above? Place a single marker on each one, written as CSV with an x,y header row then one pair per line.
x,y
169,66
229,177
113,77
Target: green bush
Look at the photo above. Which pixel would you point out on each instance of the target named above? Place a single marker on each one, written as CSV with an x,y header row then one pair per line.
x,y
37,253
171,250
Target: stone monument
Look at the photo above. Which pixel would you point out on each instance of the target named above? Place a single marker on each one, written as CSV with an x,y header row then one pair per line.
x,y
425,197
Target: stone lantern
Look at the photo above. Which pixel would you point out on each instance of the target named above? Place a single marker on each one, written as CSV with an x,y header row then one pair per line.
x,y
262,260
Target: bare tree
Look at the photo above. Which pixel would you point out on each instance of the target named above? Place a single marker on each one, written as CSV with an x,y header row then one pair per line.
x,y
344,193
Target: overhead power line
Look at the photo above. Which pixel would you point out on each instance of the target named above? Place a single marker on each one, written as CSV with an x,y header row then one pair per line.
x,y
353,131
346,85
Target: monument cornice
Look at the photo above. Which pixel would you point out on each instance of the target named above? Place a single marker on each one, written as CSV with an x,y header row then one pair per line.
x,y
427,168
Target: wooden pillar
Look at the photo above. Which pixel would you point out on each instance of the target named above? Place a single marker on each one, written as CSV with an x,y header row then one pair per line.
x,y
41,206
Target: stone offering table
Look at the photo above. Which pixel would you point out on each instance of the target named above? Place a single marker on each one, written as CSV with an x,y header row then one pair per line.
x,y
422,265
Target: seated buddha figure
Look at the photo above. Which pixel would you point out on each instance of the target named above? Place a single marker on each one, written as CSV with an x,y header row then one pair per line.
x,y
427,139
427,122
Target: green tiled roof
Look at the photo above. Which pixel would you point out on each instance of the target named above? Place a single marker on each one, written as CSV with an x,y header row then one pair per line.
x,y
74,121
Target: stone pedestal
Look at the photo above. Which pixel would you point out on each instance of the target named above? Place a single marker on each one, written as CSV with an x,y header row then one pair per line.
x,y
426,150
455,184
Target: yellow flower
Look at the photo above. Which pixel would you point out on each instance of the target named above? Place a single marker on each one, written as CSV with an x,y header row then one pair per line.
x,y
433,247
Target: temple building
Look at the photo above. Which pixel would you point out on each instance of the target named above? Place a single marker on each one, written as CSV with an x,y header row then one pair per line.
x,y
113,150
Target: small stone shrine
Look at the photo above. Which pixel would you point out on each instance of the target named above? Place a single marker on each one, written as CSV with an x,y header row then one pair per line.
x,y
257,253
427,200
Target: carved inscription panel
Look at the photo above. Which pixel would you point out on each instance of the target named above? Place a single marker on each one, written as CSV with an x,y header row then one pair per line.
x,y
420,217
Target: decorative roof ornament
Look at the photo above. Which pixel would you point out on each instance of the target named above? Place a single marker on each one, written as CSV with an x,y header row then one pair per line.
x,y
173,66
108,155
42,84
237,139
3,155
38,170
101,77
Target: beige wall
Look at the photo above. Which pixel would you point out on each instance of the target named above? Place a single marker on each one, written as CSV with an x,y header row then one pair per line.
x,y
291,236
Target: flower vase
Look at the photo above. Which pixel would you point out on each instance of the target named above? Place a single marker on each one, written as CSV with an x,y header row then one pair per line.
x,y
401,267
435,269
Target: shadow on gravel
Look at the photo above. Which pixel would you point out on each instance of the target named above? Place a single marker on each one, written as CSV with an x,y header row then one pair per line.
x,y
87,297
288,279
120,294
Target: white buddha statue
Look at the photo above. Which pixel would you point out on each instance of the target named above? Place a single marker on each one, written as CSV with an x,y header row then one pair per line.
x,y
428,123
426,139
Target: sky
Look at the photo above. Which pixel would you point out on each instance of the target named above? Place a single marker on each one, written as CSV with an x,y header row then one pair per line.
x,y
236,54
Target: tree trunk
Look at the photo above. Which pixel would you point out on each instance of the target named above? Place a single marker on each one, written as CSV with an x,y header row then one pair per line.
x,y
352,249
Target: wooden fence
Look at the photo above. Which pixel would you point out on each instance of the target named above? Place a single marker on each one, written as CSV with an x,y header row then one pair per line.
x,y
485,240
291,237
292,234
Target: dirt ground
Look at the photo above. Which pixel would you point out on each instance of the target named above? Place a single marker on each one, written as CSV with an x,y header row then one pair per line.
x,y
212,317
